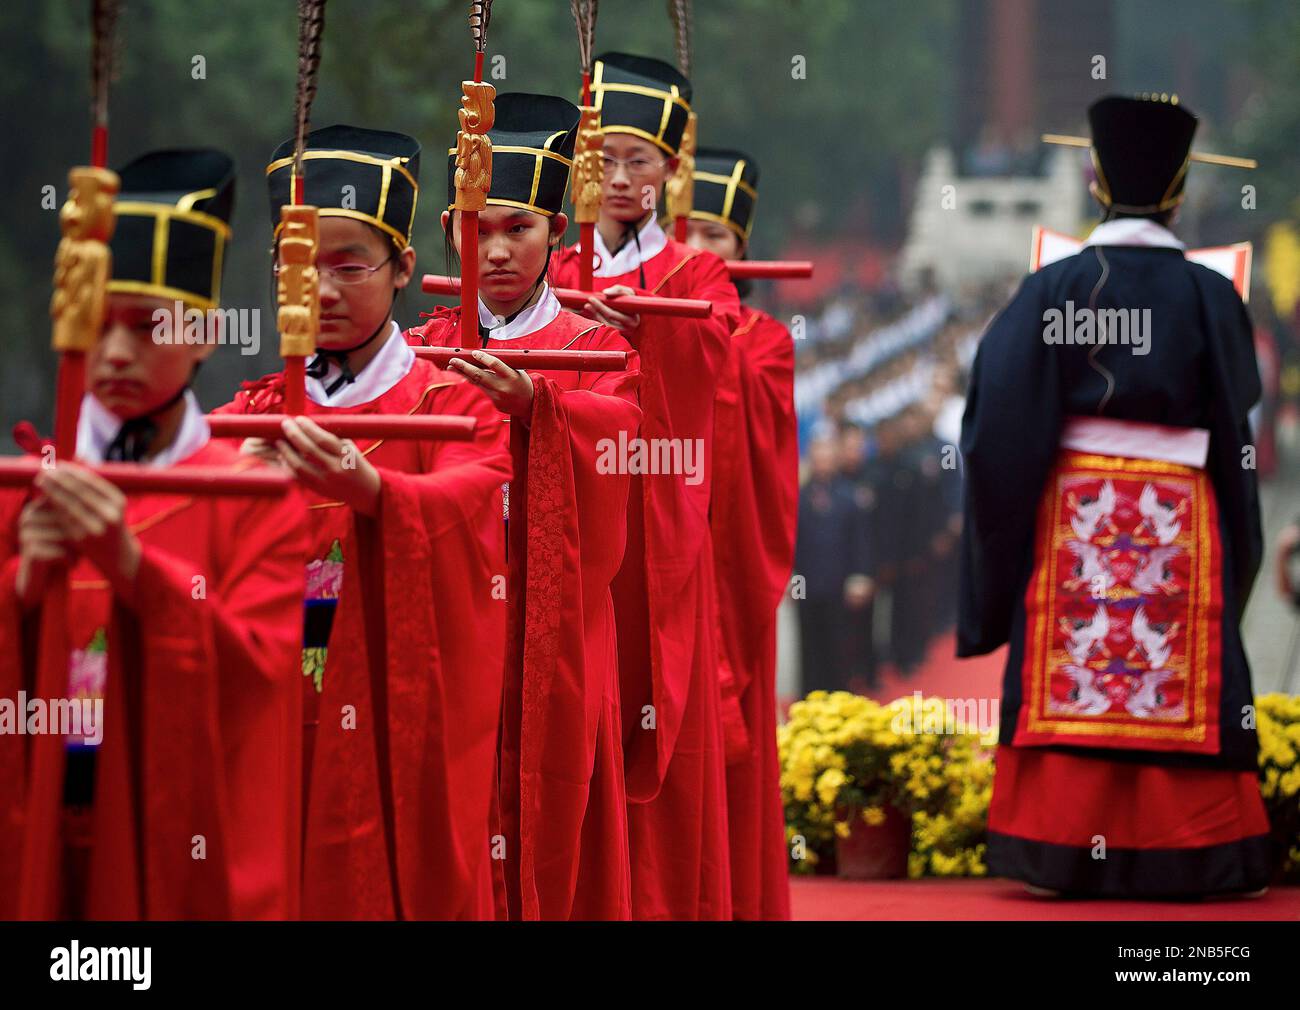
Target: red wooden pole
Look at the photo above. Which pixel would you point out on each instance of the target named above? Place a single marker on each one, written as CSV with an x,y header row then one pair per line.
x,y
295,385
586,255
769,269
469,271
295,365
428,427
70,385
586,229
99,146
469,254
572,298
560,361
134,478
69,390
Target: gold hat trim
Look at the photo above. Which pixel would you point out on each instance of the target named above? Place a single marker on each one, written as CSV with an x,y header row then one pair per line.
x,y
539,152
396,162
599,87
726,180
402,240
142,208
706,215
188,201
161,291
673,96
518,204
643,134
383,191
1227,160
163,214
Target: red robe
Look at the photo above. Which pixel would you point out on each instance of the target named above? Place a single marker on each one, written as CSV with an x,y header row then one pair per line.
x,y
402,765
755,501
563,805
202,716
665,602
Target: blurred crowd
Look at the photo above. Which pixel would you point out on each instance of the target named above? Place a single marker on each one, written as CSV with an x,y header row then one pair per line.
x,y
878,387
879,378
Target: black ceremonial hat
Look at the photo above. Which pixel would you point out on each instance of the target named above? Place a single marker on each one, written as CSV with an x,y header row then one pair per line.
x,y
645,97
382,169
173,224
726,189
533,137
1141,150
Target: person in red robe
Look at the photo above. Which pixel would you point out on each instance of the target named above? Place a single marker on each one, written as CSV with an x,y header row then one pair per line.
x,y
563,805
664,595
753,521
405,619
174,618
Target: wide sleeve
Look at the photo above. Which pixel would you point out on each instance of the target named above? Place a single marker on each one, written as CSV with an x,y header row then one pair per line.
x,y
450,489
573,538
17,640
250,605
756,489
1010,434
219,652
697,343
398,814
767,384
1237,388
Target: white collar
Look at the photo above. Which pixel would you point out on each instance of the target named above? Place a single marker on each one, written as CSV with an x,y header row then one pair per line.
x,y
384,371
652,239
98,426
1134,231
541,313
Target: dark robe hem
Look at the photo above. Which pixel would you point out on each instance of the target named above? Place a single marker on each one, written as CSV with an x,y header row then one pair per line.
x,y
1243,865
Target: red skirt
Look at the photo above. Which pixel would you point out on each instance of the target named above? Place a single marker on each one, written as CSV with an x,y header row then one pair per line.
x,y
1097,826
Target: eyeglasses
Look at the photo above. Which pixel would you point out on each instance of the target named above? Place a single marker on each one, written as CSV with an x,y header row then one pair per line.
x,y
637,168
346,273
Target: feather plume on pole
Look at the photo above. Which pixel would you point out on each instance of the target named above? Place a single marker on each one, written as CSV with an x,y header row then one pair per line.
x,y
473,168
83,262
679,11
588,167
480,16
298,285
681,187
103,68
584,17
311,30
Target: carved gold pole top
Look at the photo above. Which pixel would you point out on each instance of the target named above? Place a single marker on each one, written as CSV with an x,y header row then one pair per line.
x,y
588,166
298,281
473,146
83,262
680,191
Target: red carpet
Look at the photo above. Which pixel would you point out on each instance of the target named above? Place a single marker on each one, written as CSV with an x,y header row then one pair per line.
x,y
946,676
825,898
942,674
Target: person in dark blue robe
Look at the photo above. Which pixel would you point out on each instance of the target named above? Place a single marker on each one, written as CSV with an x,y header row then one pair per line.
x,y
1131,791
831,557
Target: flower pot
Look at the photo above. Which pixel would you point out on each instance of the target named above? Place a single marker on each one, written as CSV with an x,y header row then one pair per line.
x,y
875,851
